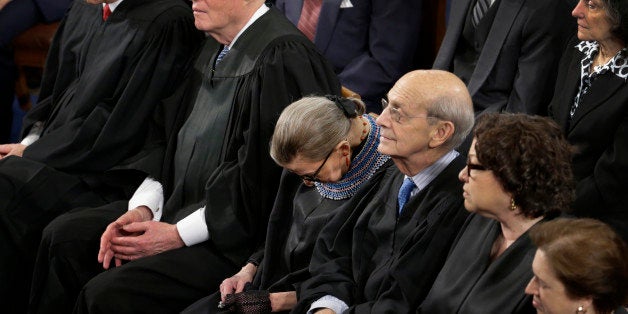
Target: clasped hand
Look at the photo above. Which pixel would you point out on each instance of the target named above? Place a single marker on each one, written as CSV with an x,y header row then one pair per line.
x,y
279,301
12,150
236,283
134,235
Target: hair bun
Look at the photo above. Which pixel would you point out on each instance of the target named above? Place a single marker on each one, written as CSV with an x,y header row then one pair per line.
x,y
347,106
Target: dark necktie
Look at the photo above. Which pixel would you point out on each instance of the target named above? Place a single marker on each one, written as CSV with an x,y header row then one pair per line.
x,y
404,192
309,17
480,8
106,11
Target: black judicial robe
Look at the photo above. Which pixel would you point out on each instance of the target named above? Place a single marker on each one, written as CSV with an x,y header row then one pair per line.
x,y
103,82
298,216
470,283
220,159
101,90
379,262
295,223
102,85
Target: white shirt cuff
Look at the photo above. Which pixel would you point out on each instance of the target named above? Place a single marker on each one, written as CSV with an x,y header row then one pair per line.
x,y
193,228
150,194
34,134
329,302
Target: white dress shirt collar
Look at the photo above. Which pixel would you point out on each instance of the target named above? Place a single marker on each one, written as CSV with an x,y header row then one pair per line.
x,y
113,5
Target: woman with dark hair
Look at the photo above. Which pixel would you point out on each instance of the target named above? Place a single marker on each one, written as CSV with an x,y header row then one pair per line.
x,y
517,174
591,106
580,266
330,145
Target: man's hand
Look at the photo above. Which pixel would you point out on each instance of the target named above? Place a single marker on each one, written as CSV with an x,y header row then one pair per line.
x,y
145,239
105,254
283,301
12,150
235,283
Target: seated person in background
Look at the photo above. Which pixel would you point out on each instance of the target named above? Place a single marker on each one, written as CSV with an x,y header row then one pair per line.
x,y
580,266
517,175
91,136
331,145
382,251
506,51
591,107
197,223
370,43
16,16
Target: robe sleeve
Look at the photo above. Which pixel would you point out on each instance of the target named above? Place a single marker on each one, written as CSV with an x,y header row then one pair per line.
x,y
331,267
241,191
280,218
114,135
42,110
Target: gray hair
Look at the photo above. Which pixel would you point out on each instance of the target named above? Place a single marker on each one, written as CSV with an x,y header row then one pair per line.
x,y
310,127
450,108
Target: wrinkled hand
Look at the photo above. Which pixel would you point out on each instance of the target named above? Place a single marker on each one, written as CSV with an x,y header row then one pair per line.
x,y
12,150
283,301
235,283
146,239
114,230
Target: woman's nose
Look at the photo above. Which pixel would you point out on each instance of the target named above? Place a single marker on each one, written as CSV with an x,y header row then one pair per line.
x,y
462,175
578,11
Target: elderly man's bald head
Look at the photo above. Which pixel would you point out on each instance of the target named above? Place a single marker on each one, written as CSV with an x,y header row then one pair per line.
x,y
443,95
429,113
431,84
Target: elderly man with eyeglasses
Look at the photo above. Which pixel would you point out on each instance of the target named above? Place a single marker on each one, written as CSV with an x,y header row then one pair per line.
x,y
382,252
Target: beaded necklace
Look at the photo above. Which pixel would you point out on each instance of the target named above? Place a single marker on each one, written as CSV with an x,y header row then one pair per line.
x,y
362,168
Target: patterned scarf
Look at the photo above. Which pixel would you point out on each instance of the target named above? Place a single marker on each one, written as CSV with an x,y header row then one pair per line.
x,y
362,168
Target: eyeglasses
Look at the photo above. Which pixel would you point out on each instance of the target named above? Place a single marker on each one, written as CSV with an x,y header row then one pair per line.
x,y
396,115
471,166
313,177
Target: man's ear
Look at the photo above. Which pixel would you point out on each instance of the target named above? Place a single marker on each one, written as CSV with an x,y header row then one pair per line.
x,y
441,133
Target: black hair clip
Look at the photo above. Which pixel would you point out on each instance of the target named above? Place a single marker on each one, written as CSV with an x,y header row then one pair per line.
x,y
346,105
